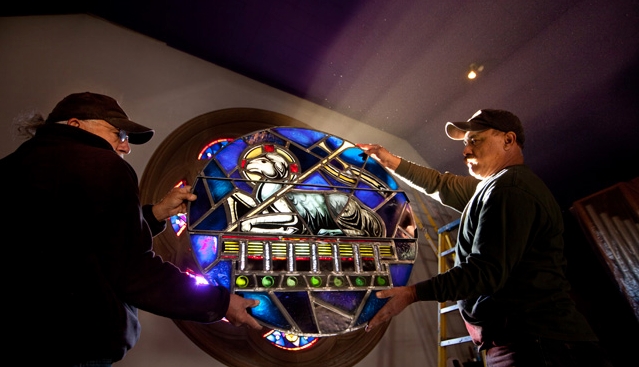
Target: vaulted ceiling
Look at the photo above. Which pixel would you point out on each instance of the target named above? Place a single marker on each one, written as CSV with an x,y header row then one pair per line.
x,y
567,68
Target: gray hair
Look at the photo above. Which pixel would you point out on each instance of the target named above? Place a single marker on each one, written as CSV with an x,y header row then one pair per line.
x,y
25,124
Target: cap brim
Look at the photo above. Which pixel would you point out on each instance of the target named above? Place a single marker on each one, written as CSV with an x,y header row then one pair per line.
x,y
140,138
138,134
457,130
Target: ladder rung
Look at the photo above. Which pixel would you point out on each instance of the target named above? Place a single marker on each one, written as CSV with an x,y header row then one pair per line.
x,y
449,308
449,226
447,252
453,341
444,240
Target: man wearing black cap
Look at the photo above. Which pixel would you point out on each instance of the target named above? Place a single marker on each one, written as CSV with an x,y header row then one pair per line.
x,y
80,262
508,278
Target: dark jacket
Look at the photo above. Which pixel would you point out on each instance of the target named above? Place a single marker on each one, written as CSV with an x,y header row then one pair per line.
x,y
509,268
79,261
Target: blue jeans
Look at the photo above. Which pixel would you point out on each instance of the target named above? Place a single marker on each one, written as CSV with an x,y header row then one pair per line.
x,y
541,352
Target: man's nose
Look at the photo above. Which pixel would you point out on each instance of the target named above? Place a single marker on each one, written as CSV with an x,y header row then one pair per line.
x,y
467,150
124,147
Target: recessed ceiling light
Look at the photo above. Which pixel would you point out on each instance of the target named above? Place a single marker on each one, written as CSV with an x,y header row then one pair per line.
x,y
474,70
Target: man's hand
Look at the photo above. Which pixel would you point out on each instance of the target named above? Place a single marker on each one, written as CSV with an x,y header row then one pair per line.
x,y
237,314
400,298
173,203
381,154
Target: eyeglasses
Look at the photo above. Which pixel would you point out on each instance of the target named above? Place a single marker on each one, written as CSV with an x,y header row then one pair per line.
x,y
122,135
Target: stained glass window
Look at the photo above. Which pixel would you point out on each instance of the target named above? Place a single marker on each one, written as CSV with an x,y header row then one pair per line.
x,y
306,223
178,221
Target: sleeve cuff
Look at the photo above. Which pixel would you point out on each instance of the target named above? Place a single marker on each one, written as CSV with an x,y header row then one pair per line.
x,y
155,225
425,291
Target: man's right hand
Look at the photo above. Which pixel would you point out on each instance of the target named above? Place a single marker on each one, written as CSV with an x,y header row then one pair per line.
x,y
173,203
398,299
237,314
381,154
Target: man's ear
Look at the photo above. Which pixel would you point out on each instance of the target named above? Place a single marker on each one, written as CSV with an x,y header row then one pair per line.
x,y
510,138
73,122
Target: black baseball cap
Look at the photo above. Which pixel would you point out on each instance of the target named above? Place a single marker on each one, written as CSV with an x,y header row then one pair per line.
x,y
92,106
487,119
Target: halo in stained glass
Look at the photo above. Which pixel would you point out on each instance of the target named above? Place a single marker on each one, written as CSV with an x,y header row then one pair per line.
x,y
305,222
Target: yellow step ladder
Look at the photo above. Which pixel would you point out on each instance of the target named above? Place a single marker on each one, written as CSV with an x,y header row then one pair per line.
x,y
444,250
445,259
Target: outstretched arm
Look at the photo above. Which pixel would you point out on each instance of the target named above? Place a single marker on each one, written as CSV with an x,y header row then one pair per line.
x,y
382,155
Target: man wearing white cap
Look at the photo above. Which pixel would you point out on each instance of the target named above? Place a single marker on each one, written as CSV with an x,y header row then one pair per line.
x,y
508,278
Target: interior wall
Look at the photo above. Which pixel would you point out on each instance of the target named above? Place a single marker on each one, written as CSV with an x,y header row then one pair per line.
x,y
44,58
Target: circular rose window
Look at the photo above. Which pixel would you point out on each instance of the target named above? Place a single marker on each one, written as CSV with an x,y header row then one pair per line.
x,y
299,219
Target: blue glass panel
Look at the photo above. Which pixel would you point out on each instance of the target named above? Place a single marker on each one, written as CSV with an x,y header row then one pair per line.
x,y
178,222
216,221
220,274
228,156
334,142
219,189
320,152
299,308
347,300
276,338
314,181
354,156
373,304
375,168
205,249
400,273
241,184
303,137
266,310
306,160
200,206
369,197
213,170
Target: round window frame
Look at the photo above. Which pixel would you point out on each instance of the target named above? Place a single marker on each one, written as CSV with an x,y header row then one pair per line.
x,y
174,160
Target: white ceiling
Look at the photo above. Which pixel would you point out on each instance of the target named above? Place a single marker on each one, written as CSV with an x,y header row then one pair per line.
x,y
567,68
